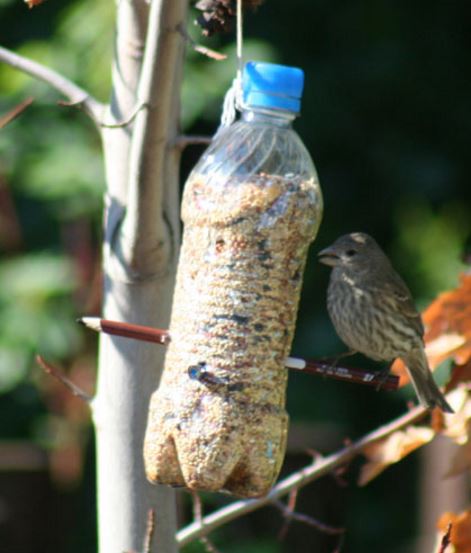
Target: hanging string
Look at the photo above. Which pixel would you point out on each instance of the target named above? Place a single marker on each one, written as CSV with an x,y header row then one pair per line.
x,y
239,41
233,99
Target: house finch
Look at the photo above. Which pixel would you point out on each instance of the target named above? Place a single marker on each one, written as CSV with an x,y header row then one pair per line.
x,y
373,311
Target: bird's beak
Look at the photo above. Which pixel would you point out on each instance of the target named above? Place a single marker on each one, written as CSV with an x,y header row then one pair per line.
x,y
328,256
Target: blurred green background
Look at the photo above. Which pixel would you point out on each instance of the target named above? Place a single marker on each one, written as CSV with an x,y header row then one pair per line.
x,y
386,118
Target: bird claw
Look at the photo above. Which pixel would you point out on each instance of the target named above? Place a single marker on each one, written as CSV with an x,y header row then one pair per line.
x,y
382,377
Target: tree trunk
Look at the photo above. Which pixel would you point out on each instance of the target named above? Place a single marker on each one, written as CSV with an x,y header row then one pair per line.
x,y
140,255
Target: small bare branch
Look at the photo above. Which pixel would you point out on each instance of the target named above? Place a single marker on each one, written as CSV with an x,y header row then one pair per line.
x,y
185,140
74,389
198,516
339,546
287,510
290,514
198,47
149,531
118,125
15,112
127,121
146,242
319,468
73,92
446,540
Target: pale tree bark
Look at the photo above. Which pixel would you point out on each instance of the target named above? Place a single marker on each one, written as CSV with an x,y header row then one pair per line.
x,y
140,254
141,148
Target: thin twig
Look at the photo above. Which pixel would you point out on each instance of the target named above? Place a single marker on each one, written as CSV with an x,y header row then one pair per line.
x,y
15,112
287,510
198,47
74,389
306,519
119,125
127,121
319,468
198,516
339,545
150,529
73,92
185,140
146,243
446,540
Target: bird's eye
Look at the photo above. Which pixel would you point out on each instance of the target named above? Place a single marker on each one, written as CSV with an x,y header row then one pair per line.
x,y
350,253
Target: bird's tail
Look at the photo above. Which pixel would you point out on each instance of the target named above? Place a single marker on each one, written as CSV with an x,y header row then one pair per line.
x,y
425,387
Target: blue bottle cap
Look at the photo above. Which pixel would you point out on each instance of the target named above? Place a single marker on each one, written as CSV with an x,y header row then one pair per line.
x,y
272,86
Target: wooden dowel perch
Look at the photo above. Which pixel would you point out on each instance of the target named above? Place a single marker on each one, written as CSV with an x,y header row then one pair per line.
x,y
319,368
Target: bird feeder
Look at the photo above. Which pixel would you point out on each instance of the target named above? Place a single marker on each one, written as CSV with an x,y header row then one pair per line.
x,y
251,207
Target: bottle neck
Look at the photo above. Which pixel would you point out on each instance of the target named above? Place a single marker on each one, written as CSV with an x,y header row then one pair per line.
x,y
277,118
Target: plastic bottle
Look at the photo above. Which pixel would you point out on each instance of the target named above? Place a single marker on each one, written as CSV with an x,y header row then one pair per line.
x,y
251,207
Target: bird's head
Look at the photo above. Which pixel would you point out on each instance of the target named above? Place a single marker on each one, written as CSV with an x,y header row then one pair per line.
x,y
350,250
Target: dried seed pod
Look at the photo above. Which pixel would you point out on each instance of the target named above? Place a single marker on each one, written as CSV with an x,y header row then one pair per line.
x,y
217,421
218,15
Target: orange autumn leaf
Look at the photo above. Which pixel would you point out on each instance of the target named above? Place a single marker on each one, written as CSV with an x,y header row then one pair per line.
x,y
461,373
458,428
448,330
392,449
32,3
460,535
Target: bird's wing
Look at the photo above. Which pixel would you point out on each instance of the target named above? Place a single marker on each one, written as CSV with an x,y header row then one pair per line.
x,y
404,302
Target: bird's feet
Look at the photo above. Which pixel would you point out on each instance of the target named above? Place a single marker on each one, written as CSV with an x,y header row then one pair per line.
x,y
335,361
382,376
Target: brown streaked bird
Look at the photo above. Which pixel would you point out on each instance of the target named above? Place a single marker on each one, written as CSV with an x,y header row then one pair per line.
x,y
373,312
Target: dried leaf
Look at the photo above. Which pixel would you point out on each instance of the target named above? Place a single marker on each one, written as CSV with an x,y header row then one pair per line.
x,y
392,449
446,540
457,425
219,15
448,332
445,346
460,535
461,373
398,368
32,3
448,319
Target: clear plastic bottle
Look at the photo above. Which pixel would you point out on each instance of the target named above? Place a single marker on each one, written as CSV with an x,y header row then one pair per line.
x,y
251,207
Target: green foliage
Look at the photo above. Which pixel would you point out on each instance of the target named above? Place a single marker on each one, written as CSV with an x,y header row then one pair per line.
x,y
430,244
35,313
206,81
386,118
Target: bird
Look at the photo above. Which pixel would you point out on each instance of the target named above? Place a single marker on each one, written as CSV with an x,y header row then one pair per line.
x,y
373,312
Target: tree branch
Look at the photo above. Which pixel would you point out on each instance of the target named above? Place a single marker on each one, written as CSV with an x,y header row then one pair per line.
x,y
319,468
290,514
199,47
198,516
73,92
15,112
73,388
146,241
185,140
